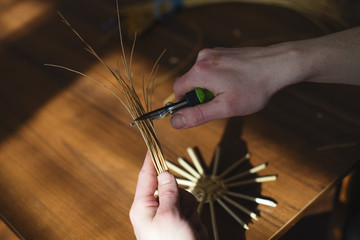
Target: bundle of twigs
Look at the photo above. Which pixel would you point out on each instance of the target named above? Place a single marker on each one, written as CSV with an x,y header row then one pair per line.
x,y
122,87
141,16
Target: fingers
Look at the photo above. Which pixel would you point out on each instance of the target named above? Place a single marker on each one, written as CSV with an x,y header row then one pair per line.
x,y
188,82
200,114
198,75
148,215
145,204
207,73
147,181
168,193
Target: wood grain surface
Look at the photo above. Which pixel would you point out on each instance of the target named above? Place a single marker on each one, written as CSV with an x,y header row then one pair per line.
x,y
69,159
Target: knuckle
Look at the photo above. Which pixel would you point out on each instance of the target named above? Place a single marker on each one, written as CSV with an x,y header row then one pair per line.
x,y
167,193
200,66
180,82
177,86
132,215
181,85
168,214
204,53
198,116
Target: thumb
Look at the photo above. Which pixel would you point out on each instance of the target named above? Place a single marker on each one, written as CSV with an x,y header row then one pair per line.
x,y
168,192
199,114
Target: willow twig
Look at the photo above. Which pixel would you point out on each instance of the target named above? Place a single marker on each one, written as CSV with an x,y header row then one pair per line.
x,y
181,172
125,92
195,160
191,170
186,183
216,160
253,180
213,220
258,200
232,167
231,212
246,173
241,207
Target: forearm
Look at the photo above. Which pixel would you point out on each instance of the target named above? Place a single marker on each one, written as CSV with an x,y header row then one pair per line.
x,y
334,58
244,79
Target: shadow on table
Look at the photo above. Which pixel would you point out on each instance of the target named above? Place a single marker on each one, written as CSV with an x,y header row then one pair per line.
x,y
232,148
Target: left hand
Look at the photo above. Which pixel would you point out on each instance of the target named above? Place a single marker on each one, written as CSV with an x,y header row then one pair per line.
x,y
173,216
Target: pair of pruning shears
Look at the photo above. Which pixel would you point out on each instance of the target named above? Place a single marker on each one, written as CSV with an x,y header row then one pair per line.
x,y
192,98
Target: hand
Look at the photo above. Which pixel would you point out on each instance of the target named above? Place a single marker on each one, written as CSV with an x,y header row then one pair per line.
x,y
244,79
173,216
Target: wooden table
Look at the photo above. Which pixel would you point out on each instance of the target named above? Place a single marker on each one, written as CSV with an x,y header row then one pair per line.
x,y
69,159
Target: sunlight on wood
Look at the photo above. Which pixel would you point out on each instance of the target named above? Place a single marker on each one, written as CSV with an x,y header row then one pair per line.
x,y
19,16
6,233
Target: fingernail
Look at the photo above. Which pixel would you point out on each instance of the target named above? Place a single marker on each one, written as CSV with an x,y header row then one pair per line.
x,y
178,121
165,178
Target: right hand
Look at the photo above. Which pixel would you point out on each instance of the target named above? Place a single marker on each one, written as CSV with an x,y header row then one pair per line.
x,y
242,79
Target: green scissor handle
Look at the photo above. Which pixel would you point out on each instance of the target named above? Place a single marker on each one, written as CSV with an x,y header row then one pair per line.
x,y
199,95
192,98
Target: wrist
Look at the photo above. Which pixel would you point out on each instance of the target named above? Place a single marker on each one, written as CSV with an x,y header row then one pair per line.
x,y
294,64
309,55
332,58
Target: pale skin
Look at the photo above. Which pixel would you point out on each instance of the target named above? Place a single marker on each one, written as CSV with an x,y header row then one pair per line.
x,y
243,80
172,216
